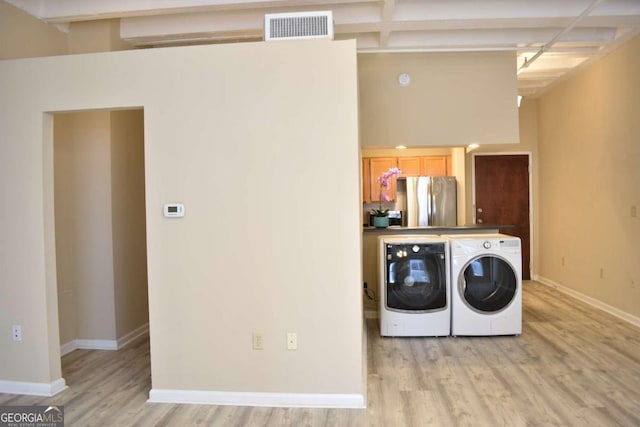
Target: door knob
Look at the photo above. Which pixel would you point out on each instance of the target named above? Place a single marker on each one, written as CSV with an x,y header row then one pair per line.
x,y
479,210
479,220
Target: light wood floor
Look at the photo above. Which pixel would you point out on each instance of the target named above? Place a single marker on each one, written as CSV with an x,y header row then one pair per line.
x,y
573,365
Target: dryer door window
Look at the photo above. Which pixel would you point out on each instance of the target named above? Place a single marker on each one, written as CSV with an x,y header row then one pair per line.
x,y
416,277
488,284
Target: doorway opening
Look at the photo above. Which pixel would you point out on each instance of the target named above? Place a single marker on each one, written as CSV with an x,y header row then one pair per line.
x,y
100,228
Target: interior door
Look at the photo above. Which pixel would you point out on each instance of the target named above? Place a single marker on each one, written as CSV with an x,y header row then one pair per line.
x,y
502,197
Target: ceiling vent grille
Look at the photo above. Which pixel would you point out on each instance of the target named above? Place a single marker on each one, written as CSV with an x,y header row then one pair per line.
x,y
299,25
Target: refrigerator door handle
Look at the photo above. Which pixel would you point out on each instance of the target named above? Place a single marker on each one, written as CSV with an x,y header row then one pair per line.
x,y
432,201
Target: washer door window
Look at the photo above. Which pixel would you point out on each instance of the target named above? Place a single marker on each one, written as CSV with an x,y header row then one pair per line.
x,y
488,284
416,277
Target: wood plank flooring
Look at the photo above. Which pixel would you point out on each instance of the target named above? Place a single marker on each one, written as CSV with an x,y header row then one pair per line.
x,y
573,365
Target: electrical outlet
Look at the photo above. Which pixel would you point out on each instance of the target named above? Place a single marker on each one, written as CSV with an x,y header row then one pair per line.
x,y
601,273
563,261
16,332
634,211
258,341
292,341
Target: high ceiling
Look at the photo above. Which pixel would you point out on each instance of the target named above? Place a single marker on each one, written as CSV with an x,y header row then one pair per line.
x,y
555,37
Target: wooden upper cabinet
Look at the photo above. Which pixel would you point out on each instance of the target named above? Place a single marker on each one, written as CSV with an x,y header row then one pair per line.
x,y
436,165
425,166
378,166
374,167
410,166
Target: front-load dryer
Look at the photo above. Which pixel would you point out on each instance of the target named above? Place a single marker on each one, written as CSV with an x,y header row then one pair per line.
x,y
486,285
414,286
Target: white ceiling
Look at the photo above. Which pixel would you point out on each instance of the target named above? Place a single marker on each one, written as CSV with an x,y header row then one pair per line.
x,y
556,37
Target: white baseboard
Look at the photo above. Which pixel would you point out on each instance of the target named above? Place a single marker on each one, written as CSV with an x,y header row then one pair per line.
x,y
303,400
70,346
623,315
33,389
133,335
97,344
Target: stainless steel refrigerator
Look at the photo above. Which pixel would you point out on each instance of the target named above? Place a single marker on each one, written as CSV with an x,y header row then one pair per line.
x,y
431,201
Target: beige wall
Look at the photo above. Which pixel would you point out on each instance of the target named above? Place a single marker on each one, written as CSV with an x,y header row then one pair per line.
x,y
84,247
216,141
128,221
589,137
22,36
96,36
447,89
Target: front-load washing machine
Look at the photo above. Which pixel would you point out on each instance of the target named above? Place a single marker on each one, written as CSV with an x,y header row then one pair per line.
x,y
414,286
486,285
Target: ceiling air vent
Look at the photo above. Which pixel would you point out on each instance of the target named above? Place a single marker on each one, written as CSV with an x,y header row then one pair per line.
x,y
299,25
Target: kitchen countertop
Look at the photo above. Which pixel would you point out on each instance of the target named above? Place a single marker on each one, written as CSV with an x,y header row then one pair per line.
x,y
471,228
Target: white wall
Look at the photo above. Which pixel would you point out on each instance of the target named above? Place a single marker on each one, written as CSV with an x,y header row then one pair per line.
x,y
226,128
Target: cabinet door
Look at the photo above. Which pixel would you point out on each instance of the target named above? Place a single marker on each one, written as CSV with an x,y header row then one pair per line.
x,y
436,165
378,166
366,181
410,166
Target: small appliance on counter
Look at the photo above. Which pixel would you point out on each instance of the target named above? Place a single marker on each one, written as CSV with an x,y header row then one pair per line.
x,y
395,218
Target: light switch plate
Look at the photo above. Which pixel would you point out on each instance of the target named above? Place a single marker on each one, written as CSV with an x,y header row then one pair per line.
x,y
292,341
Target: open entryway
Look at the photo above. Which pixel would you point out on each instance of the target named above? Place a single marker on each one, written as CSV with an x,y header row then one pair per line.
x,y
502,196
100,228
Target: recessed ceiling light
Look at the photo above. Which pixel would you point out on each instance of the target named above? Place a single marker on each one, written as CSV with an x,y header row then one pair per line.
x,y
401,147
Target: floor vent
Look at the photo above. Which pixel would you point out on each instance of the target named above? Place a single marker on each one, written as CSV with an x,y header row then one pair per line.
x,y
299,25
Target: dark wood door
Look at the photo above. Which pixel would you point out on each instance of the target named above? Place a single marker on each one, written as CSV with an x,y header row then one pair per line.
x,y
502,197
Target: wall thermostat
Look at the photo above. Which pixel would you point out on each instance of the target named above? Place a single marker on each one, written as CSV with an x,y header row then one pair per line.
x,y
173,210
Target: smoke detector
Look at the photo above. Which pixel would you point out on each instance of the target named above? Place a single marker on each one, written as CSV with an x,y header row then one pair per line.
x,y
298,25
